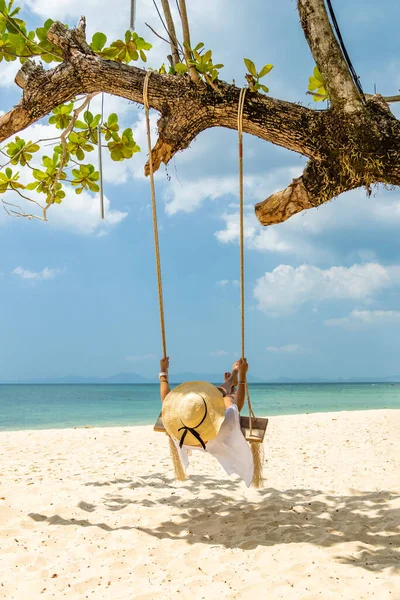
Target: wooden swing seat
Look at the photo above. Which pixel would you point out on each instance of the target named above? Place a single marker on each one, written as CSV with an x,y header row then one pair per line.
x,y
259,426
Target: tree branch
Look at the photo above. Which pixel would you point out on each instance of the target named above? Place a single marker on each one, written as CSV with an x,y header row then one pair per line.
x,y
318,184
186,110
328,56
186,40
171,31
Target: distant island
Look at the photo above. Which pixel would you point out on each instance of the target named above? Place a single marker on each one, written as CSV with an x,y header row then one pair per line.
x,y
135,378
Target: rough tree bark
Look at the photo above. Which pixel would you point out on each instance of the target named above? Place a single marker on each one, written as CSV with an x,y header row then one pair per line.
x,y
356,142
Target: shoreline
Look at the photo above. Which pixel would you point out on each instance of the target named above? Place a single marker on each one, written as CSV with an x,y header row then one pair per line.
x,y
150,425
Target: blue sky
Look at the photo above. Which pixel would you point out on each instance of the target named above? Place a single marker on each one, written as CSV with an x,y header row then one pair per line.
x,y
78,296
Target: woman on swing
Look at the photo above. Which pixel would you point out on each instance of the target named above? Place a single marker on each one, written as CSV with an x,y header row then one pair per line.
x,y
199,415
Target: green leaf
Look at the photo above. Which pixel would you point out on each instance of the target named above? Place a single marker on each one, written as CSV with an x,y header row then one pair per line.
x,y
116,155
93,187
207,56
265,70
134,54
98,41
181,68
47,162
88,117
85,170
318,75
313,83
264,88
39,175
251,67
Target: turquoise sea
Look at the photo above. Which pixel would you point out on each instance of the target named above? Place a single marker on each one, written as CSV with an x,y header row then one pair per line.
x,y
57,406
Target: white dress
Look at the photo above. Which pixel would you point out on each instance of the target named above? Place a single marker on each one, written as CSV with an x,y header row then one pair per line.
x,y
229,448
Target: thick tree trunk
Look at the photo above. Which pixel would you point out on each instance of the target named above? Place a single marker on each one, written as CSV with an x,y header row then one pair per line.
x,y
354,143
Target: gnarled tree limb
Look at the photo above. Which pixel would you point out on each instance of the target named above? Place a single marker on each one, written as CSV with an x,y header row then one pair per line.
x,y
186,109
354,143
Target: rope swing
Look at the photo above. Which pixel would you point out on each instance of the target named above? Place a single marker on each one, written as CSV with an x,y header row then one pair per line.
x,y
252,428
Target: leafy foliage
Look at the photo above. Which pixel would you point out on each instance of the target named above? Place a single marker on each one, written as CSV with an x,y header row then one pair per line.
x,y
317,84
131,48
85,178
123,146
253,77
9,180
202,62
62,115
21,152
18,43
48,179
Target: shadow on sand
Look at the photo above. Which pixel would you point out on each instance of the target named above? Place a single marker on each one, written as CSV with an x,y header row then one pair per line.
x,y
271,517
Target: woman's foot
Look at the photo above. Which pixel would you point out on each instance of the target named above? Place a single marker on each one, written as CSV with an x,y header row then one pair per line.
x,y
230,379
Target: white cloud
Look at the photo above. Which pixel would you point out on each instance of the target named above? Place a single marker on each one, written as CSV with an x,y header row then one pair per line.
x,y
359,318
222,282
301,235
42,275
96,10
138,358
288,349
287,288
188,196
81,214
256,237
219,353
382,208
8,73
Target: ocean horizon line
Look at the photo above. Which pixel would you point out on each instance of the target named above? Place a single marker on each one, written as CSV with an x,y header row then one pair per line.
x,y
282,381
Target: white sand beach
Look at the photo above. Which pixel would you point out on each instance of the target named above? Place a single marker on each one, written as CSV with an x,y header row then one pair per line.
x,y
96,513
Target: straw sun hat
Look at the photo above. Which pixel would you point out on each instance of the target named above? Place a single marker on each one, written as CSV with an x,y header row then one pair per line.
x,y
193,413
